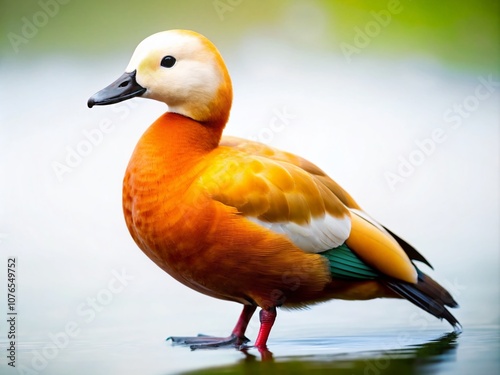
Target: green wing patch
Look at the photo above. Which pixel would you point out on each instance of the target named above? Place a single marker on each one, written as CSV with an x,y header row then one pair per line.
x,y
344,264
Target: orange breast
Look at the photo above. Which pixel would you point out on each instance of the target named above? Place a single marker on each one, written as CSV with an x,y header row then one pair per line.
x,y
201,242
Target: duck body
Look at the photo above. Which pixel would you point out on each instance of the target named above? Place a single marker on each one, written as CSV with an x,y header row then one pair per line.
x,y
241,221
207,245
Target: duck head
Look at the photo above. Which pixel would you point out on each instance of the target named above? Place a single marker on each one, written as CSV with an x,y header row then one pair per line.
x,y
180,68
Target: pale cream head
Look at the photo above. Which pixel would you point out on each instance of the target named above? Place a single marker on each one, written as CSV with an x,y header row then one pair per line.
x,y
197,85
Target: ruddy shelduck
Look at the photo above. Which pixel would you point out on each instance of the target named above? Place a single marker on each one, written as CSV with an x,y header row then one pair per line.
x,y
239,220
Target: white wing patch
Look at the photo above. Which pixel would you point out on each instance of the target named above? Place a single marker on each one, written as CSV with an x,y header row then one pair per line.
x,y
320,234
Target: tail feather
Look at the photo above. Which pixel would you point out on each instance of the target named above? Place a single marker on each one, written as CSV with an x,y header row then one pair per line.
x,y
429,296
430,287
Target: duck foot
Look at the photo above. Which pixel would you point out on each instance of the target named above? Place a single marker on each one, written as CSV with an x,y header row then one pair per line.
x,y
207,342
237,338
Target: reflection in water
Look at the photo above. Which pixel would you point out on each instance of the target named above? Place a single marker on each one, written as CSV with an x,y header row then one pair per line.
x,y
416,359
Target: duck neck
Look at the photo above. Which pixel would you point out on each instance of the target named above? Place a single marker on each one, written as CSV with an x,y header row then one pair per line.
x,y
176,142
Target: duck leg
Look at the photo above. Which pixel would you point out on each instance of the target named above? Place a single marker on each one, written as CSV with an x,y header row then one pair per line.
x,y
236,338
267,318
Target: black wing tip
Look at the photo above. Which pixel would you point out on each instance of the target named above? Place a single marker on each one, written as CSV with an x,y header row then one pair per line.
x,y
412,253
435,290
433,306
457,328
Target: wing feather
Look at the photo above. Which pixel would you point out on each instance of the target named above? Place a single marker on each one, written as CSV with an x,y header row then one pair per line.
x,y
379,250
293,197
278,195
256,148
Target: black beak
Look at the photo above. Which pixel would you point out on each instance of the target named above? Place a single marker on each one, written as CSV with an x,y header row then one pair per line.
x,y
123,88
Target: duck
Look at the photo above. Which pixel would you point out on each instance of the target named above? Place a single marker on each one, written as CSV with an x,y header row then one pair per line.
x,y
242,221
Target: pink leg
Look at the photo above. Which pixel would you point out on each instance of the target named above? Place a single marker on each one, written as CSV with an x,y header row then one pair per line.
x,y
241,325
267,318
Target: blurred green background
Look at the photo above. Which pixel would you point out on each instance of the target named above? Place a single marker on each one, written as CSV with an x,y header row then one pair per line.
x,y
413,62
463,34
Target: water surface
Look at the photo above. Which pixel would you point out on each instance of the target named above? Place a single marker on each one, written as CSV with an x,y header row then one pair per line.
x,y
357,122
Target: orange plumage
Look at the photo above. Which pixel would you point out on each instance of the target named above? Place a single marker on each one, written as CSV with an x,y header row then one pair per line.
x,y
239,220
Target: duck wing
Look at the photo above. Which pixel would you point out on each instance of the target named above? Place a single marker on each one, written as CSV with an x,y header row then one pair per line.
x,y
291,197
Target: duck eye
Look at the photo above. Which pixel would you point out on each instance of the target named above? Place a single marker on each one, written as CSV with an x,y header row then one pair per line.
x,y
168,61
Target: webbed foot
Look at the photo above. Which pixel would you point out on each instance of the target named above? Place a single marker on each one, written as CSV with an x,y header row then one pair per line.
x,y
207,342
